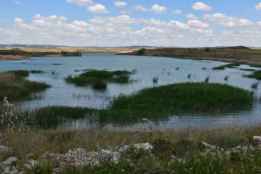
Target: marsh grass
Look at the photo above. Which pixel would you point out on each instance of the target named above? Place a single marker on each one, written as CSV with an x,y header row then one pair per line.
x,y
255,66
15,86
223,67
37,72
255,75
98,78
247,69
181,99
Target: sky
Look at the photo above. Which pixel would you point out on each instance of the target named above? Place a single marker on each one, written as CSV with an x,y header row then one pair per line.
x,y
169,23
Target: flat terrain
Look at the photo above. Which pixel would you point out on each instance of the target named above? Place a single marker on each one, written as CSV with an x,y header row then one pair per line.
x,y
240,54
26,52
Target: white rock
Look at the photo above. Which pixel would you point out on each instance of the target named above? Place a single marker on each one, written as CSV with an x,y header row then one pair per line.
x,y
209,146
3,149
257,140
143,146
10,161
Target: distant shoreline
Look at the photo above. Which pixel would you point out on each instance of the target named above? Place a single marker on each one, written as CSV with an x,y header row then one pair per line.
x,y
26,52
242,55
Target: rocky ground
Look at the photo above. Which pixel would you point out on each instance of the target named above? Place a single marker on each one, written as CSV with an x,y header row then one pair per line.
x,y
80,157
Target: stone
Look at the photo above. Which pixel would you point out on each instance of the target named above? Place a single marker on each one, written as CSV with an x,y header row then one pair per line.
x,y
209,146
10,170
257,140
10,161
143,146
3,149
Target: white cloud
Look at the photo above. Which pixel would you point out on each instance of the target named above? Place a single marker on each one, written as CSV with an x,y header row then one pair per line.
x,y
228,21
201,6
158,8
177,12
81,2
191,16
194,23
16,2
90,5
120,3
141,8
97,8
258,6
211,30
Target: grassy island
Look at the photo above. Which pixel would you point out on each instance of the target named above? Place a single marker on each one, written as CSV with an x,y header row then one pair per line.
x,y
98,79
184,98
15,86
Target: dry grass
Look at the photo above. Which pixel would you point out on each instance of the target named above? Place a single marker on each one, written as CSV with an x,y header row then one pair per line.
x,y
226,54
37,142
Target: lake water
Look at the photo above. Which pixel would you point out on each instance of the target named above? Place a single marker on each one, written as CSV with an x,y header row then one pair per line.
x,y
146,68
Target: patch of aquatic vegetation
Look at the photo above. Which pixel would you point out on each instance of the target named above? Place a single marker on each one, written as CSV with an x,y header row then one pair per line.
x,y
15,86
37,72
256,66
98,79
223,67
247,69
255,75
184,98
155,104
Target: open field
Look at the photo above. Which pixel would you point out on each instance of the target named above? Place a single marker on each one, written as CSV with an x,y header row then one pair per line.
x,y
227,54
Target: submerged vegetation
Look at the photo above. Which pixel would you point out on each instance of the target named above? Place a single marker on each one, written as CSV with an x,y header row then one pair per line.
x,y
98,79
222,67
15,86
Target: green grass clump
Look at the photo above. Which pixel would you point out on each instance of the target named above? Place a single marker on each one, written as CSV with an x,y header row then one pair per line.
x,y
98,78
15,86
184,98
255,75
222,67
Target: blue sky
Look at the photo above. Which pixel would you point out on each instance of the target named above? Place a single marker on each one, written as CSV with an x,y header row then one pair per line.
x,y
140,22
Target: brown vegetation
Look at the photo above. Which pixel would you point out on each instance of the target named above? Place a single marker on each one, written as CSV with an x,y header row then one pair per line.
x,y
226,54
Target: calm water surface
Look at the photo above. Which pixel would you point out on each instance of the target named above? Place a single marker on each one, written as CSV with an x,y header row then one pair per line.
x,y
146,68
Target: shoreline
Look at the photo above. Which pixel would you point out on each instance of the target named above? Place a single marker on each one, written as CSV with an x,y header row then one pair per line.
x,y
241,55
25,53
